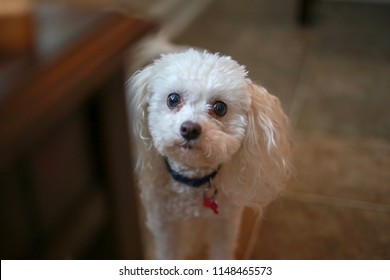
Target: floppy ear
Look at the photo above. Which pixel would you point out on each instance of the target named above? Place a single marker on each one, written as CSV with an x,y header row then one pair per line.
x,y
261,166
137,95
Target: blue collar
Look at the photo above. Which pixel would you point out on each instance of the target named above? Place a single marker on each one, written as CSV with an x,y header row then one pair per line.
x,y
196,183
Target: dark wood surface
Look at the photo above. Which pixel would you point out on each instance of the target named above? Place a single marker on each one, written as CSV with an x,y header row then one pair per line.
x,y
65,171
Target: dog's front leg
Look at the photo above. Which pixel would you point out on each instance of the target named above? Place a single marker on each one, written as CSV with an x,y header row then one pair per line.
x,y
162,232
164,242
224,230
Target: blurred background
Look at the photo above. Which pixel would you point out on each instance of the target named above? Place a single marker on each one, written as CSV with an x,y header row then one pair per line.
x,y
327,60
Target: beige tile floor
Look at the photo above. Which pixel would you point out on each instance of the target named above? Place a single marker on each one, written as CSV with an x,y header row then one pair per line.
x,y
334,82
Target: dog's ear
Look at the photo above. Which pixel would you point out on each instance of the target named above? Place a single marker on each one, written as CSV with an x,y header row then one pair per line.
x,y
261,166
137,95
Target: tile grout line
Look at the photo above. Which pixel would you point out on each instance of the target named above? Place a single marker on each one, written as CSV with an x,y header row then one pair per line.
x,y
183,18
253,238
301,90
335,201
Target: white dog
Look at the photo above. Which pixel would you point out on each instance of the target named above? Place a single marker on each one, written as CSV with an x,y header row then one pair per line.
x,y
207,143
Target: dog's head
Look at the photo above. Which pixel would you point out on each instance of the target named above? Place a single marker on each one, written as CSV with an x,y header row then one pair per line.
x,y
200,110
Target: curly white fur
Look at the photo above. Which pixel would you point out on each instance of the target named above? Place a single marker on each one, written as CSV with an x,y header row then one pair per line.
x,y
249,144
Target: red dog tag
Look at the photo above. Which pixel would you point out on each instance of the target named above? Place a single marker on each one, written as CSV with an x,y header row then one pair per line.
x,y
211,203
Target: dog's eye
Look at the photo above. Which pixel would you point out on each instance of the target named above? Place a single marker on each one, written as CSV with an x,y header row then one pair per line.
x,y
173,100
220,108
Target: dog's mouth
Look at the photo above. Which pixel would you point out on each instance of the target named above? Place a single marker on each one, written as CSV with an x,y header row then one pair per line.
x,y
188,146
192,152
184,148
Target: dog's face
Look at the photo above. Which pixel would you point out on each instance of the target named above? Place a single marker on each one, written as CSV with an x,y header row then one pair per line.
x,y
197,108
200,111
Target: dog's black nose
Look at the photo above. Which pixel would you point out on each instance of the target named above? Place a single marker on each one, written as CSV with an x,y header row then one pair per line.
x,y
190,130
